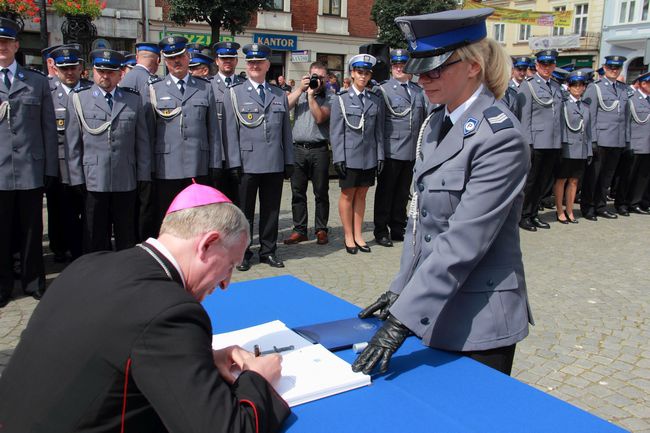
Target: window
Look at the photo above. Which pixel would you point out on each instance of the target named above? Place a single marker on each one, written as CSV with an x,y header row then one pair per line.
x,y
558,31
626,13
524,32
499,32
277,5
332,7
580,19
644,10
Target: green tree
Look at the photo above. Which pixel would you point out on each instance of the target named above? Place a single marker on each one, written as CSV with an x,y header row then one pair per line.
x,y
384,12
231,15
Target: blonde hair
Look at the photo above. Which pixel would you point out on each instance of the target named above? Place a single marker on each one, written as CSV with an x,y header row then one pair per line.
x,y
494,62
225,218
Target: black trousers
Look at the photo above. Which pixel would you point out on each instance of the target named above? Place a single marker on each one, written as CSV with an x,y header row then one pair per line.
x,y
269,186
598,178
391,197
310,164
106,210
500,359
21,219
634,179
224,182
145,214
65,208
166,190
541,173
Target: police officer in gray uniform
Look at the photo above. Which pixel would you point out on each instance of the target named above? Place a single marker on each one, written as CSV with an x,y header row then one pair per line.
x,y
405,112
259,145
108,152
610,132
226,59
541,107
187,139
28,154
461,285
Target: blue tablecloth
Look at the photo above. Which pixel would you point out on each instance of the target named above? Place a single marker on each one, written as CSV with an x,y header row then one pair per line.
x,y
425,390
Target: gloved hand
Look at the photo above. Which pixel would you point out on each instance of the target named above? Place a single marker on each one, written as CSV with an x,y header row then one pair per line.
x,y
340,169
49,182
590,159
288,171
79,189
380,167
383,303
382,346
235,173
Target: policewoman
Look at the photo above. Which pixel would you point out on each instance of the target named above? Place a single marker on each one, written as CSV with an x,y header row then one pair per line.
x,y
576,146
461,285
357,140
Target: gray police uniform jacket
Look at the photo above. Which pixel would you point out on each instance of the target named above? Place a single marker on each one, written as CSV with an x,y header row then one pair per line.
x,y
112,160
187,138
540,110
609,113
404,116
28,143
576,130
219,88
461,281
359,140
639,106
138,78
259,138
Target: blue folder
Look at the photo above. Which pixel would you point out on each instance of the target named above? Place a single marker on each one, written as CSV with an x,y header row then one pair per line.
x,y
340,334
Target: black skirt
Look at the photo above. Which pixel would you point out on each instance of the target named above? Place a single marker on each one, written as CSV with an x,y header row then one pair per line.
x,y
355,177
571,168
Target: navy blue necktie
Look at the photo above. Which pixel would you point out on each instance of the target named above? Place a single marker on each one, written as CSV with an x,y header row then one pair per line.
x,y
361,99
5,71
262,94
181,83
228,81
406,89
109,100
444,128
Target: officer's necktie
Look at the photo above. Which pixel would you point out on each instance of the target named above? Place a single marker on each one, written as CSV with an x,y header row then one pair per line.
x,y
109,100
578,104
550,89
228,81
5,71
262,94
444,128
181,86
361,99
406,90
647,98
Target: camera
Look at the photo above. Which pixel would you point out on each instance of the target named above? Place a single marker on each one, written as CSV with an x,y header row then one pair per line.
x,y
314,81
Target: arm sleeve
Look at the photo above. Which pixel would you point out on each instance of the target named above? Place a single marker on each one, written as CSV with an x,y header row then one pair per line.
x,y
593,110
337,131
564,130
74,144
379,130
287,134
526,107
214,131
142,145
231,127
50,136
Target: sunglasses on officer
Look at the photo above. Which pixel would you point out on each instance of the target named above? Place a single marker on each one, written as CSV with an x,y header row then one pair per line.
x,y
435,73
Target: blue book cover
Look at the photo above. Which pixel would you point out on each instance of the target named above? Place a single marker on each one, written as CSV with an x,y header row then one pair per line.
x,y
340,334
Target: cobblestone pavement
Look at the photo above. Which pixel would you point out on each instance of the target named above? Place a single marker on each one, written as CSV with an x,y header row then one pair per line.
x,y
589,288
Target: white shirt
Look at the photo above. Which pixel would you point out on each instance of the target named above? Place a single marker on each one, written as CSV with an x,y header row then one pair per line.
x,y
12,71
455,115
256,85
176,80
223,78
112,92
517,83
574,99
168,255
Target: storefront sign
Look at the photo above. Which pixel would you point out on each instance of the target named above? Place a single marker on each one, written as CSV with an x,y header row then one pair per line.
x,y
300,56
562,19
198,38
276,42
548,42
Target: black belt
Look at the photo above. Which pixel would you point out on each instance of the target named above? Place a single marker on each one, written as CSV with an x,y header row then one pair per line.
x,y
315,145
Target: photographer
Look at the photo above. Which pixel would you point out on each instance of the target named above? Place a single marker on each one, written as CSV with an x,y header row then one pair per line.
x,y
310,134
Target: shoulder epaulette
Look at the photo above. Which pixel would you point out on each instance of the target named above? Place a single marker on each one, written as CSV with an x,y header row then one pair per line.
x,y
416,85
38,71
437,108
81,89
630,92
497,119
130,90
85,83
342,92
154,79
529,78
597,80
237,84
383,82
586,101
202,78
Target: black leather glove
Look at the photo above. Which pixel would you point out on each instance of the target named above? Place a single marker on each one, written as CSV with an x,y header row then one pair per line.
x,y
79,189
383,303
380,167
340,169
235,173
49,182
382,346
288,171
590,159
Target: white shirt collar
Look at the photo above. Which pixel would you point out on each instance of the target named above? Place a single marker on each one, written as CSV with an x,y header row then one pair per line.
x,y
573,98
223,77
455,115
516,82
168,255
254,84
356,92
104,92
67,89
12,70
186,79
612,82
142,66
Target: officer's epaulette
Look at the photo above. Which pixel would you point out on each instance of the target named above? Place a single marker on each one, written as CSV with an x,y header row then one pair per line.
x,y
130,90
38,71
565,94
383,82
237,84
529,78
497,119
597,80
416,85
437,108
202,78
85,83
81,89
154,79
630,92
586,101
342,91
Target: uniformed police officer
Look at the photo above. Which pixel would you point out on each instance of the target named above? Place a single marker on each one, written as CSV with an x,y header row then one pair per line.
x,y
357,138
108,152
49,61
226,60
200,65
147,56
187,139
259,144
28,155
64,205
610,133
130,61
461,283
405,112
519,69
541,107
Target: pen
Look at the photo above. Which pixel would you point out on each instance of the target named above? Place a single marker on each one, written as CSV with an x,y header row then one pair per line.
x,y
256,350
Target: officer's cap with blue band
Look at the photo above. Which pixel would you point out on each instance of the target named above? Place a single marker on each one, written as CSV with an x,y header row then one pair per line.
x,y
65,56
546,56
200,59
108,60
560,75
520,62
45,52
644,77
570,67
9,29
399,56
362,61
195,47
147,46
601,71
615,60
256,52
172,46
579,76
130,61
432,38
226,49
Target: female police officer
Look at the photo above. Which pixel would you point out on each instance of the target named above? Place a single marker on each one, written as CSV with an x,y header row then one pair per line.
x,y
461,282
357,138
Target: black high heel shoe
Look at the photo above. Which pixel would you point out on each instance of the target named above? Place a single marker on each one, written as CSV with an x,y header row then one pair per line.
x,y
561,221
571,220
350,250
362,248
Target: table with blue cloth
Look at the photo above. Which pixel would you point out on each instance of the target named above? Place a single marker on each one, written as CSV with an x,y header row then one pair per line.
x,y
425,390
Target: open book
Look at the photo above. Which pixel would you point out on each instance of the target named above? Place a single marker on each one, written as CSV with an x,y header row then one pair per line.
x,y
309,371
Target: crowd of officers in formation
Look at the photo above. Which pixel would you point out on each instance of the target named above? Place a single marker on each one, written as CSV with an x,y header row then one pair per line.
x,y
111,154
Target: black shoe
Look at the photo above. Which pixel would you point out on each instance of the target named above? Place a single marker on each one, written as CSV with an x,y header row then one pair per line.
x,y
384,241
571,220
590,217
4,300
36,295
397,237
540,224
566,221
272,260
351,250
362,248
245,265
607,214
637,209
527,224
622,211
